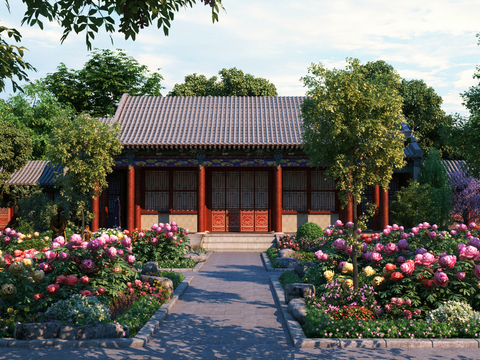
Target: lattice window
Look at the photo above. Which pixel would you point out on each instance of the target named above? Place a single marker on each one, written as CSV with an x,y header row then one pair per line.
x,y
157,190
184,190
322,191
294,185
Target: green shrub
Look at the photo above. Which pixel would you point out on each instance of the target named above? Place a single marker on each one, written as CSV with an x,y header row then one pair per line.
x,y
176,276
79,310
139,313
289,277
310,231
454,313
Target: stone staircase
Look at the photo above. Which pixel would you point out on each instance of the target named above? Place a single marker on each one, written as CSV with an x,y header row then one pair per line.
x,y
238,242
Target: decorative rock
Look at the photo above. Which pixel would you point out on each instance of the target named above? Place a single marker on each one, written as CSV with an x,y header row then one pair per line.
x,y
298,290
37,331
286,253
197,257
167,283
88,332
301,268
287,262
150,267
298,309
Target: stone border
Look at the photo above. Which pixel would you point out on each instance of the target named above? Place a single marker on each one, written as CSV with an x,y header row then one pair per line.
x,y
268,264
140,340
301,341
194,269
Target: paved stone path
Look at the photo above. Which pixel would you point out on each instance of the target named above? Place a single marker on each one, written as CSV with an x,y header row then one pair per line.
x,y
229,312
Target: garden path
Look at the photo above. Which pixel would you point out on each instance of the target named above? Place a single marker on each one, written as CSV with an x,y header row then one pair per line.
x,y
229,311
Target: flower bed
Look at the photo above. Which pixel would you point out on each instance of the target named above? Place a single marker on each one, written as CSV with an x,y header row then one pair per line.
x,y
404,276
58,282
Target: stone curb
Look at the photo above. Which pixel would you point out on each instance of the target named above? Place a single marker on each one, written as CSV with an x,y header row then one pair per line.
x,y
140,340
301,341
194,269
268,264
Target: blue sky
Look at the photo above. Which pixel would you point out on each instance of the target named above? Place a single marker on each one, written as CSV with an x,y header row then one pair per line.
x,y
278,40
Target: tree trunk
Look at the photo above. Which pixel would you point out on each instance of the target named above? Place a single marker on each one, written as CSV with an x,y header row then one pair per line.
x,y
354,246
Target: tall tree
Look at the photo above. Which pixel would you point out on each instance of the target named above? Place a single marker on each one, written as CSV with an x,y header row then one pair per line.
x,y
233,82
86,147
34,111
15,150
97,88
351,123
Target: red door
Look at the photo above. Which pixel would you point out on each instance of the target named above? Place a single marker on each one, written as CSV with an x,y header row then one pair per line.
x,y
240,200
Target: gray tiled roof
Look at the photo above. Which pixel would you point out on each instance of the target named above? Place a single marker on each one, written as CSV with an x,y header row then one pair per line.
x,y
210,121
453,165
34,172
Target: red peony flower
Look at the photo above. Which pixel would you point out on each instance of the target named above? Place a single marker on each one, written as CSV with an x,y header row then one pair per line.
x,y
101,291
61,280
53,288
407,268
38,296
71,280
18,253
84,280
85,293
390,267
429,284
143,293
396,276
419,277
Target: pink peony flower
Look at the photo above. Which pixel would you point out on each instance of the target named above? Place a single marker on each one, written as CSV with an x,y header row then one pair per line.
x,y
426,225
173,223
141,235
440,279
407,268
84,280
328,232
55,245
463,227
130,259
84,244
153,240
391,249
126,241
50,255
376,257
319,255
87,265
434,227
453,232
63,256
476,271
388,307
338,224
417,312
400,260
186,231
111,252
403,236
407,314
340,232
120,252
60,240
349,250
415,230
474,241
367,256
460,246
364,248
339,245
418,259
460,275
403,244
6,239
428,259
447,261
472,225
174,229
379,247
325,257
154,227
169,234
85,293
53,288
399,302
386,232
75,240
432,235
349,225
94,245
112,239
468,252
395,227
421,251
408,302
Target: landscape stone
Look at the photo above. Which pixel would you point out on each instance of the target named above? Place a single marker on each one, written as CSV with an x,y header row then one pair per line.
x,y
287,262
298,290
286,253
37,331
150,267
197,257
298,309
88,332
167,283
301,268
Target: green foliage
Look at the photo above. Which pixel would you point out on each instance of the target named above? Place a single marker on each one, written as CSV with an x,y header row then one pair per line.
x,y
272,254
310,231
15,150
12,63
88,17
289,277
34,111
98,87
454,313
412,204
86,147
176,276
233,82
80,310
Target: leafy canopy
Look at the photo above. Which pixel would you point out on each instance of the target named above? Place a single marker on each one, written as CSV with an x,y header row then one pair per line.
x,y
233,82
98,87
351,122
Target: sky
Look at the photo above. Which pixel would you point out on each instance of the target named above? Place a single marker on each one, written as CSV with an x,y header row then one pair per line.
x,y
278,40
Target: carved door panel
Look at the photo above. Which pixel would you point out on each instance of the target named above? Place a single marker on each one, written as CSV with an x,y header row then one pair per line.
x,y
247,201
5,216
232,206
261,201
218,201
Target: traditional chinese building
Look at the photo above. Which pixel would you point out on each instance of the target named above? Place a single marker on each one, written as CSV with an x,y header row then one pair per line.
x,y
225,164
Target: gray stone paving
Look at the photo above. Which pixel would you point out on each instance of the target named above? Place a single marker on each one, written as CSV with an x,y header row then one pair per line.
x,y
229,312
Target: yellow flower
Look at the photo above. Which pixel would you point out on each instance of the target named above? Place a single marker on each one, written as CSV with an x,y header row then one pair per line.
x,y
9,310
378,281
27,309
36,234
2,262
19,241
329,275
368,271
38,276
29,236
8,290
347,268
15,311
28,263
46,238
347,284
16,268
23,236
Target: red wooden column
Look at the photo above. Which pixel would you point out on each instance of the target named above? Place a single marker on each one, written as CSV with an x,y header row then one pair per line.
x,y
384,208
96,210
104,209
138,214
131,198
201,215
278,202
349,210
376,201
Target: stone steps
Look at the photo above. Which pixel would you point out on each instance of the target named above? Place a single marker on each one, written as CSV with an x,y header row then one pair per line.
x,y
238,242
